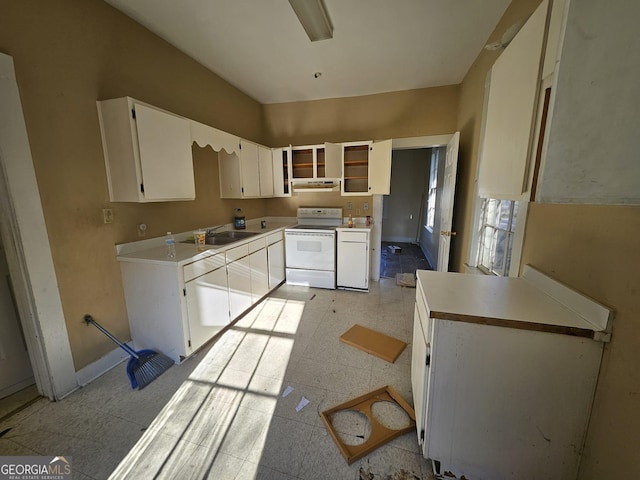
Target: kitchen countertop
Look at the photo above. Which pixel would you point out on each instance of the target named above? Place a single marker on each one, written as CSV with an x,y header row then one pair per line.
x,y
154,250
357,227
531,302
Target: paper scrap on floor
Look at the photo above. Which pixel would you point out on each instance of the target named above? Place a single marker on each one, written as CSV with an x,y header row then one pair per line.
x,y
375,343
303,403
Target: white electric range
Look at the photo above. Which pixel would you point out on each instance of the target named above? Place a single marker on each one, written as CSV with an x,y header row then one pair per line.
x,y
310,247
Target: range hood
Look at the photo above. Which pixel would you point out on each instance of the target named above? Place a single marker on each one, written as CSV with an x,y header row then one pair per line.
x,y
315,185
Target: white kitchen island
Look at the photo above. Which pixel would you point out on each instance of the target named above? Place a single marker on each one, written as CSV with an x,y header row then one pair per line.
x,y
504,372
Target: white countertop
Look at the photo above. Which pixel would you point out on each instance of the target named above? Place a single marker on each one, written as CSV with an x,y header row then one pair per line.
x,y
154,251
500,301
356,227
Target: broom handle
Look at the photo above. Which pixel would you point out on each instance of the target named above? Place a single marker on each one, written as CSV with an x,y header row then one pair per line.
x,y
89,319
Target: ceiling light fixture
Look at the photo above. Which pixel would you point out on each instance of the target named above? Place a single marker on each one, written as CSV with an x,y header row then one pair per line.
x,y
314,18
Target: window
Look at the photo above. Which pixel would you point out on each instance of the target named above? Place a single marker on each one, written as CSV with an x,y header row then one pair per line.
x,y
497,228
431,194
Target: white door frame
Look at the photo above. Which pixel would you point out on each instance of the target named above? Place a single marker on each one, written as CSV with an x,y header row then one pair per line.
x,y
28,251
408,143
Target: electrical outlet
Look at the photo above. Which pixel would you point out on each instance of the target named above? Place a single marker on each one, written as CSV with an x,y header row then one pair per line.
x,y
107,215
142,230
365,205
349,206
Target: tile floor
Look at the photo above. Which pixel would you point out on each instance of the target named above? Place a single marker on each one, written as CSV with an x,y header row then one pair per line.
x,y
408,261
221,414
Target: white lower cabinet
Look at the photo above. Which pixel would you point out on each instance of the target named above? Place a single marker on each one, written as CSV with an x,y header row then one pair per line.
x,y
353,258
503,375
259,274
239,275
275,258
177,308
207,306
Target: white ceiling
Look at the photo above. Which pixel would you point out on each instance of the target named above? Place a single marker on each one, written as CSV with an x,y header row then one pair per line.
x,y
378,46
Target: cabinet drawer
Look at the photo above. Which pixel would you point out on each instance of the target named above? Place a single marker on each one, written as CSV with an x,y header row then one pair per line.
x,y
344,236
256,245
235,253
206,265
274,237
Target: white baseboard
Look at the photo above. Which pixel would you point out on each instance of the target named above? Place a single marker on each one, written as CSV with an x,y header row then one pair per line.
x,y
101,366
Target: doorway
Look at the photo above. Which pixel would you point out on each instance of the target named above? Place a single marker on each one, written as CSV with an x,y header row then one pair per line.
x,y
447,148
402,213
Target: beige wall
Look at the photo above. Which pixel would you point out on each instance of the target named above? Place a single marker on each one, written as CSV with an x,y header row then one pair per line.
x,y
412,113
67,55
595,250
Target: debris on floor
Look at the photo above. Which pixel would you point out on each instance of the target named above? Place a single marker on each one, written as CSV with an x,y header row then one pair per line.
x,y
373,342
287,391
402,474
396,250
303,403
406,280
380,434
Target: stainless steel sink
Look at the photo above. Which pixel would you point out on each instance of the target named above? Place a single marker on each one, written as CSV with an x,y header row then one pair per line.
x,y
225,238
233,234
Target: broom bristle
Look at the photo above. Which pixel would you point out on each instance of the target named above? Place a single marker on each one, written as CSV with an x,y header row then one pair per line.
x,y
149,366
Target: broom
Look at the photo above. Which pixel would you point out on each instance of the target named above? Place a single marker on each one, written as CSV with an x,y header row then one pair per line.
x,y
144,366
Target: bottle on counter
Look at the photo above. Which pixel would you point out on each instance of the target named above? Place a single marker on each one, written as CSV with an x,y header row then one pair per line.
x,y
239,222
350,221
170,242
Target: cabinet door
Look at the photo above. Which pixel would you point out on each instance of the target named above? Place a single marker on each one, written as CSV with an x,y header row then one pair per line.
x,y
282,172
380,168
249,169
353,265
165,155
333,160
207,306
239,275
265,167
510,112
419,375
230,176
275,257
259,275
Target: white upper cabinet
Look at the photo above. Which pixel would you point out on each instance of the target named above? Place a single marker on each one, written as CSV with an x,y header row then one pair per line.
x,y
247,172
510,112
380,168
281,171
265,169
316,161
147,152
366,168
250,171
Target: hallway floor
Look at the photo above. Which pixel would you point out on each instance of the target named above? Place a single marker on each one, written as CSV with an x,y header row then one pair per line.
x,y
222,414
408,260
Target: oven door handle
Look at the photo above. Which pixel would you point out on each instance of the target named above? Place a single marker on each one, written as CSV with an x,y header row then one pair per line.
x,y
309,234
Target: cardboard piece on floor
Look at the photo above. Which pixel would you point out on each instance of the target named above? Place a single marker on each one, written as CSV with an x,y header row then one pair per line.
x,y
379,433
375,343
406,280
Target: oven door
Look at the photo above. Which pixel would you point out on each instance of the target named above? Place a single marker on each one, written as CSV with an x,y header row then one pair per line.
x,y
310,250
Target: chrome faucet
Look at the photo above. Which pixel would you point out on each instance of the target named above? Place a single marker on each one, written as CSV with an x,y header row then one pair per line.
x,y
212,231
